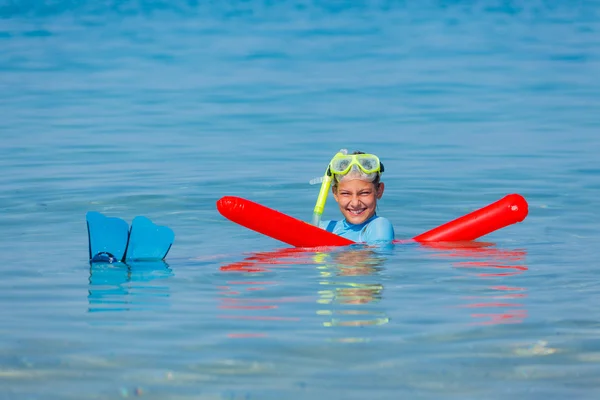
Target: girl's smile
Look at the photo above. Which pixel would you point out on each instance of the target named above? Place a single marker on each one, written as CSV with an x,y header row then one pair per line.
x,y
357,199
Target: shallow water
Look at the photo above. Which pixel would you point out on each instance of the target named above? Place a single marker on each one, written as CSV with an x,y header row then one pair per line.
x,y
159,109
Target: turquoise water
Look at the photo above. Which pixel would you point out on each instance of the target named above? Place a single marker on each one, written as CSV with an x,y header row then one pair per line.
x,y
161,108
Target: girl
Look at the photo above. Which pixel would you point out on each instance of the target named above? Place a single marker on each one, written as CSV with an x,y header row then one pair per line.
x,y
357,187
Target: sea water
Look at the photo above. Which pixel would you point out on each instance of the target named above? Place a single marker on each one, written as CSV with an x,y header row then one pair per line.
x,y
160,108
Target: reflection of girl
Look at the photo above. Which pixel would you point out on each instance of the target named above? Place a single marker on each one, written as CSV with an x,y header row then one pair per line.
x,y
357,262
356,188
345,273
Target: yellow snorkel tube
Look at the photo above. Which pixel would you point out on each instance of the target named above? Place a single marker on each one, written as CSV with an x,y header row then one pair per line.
x,y
324,192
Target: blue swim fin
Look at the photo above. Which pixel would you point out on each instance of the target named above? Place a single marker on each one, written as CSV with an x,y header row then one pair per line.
x,y
148,241
107,237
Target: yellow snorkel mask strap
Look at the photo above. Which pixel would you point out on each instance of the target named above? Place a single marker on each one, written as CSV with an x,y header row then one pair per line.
x,y
324,192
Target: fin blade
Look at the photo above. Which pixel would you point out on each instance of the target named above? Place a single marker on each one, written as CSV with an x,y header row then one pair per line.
x,y
148,241
106,235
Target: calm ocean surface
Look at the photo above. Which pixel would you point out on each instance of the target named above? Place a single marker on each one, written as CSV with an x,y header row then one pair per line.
x,y
159,108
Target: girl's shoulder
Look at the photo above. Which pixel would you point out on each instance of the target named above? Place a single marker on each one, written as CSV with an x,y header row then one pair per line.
x,y
379,229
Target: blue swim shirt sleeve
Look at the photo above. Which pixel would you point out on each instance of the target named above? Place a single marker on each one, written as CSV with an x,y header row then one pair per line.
x,y
378,231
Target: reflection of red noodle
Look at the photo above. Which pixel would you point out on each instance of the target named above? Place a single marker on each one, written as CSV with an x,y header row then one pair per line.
x,y
507,288
508,318
484,305
280,300
505,296
483,264
259,318
479,258
264,261
275,255
247,307
239,268
499,274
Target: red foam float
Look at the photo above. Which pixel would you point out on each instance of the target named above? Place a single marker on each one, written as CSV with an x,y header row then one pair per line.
x,y
506,211
277,225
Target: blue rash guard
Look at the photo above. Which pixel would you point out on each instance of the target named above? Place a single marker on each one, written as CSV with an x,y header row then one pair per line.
x,y
375,230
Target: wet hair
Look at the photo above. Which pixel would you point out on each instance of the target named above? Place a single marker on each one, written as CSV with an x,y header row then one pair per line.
x,y
375,181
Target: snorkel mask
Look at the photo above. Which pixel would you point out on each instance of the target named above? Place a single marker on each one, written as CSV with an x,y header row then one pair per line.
x,y
355,166
344,166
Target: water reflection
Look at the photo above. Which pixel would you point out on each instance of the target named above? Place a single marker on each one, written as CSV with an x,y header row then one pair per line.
x,y
351,288
270,260
125,287
498,303
348,298
253,296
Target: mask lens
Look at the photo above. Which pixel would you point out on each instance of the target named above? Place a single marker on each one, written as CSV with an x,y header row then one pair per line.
x,y
369,164
340,165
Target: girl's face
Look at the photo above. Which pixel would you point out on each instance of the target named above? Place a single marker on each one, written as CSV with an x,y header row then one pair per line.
x,y
357,199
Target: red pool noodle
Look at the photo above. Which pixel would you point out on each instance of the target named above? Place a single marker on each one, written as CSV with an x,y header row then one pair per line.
x,y
506,211
276,224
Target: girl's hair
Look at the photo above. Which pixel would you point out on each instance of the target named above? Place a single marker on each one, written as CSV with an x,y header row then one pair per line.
x,y
375,181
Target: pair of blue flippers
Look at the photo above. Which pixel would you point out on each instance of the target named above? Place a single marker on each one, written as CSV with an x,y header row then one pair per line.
x,y
111,240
